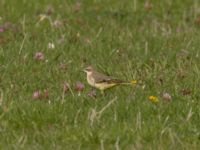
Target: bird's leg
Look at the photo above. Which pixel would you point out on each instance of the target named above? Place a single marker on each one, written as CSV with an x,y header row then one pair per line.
x,y
102,92
93,89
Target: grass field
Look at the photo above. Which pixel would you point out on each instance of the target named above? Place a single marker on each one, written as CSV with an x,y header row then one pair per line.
x,y
45,44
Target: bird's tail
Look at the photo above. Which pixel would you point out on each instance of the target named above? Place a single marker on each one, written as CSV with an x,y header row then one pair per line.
x,y
132,82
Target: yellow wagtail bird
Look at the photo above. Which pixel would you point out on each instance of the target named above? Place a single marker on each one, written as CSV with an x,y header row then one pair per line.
x,y
102,81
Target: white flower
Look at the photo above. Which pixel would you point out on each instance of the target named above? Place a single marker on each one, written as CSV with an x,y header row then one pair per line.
x,y
51,46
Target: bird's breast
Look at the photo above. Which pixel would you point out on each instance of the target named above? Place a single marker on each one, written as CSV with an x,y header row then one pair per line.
x,y
91,80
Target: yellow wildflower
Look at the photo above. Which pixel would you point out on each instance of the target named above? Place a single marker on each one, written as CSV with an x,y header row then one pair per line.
x,y
153,99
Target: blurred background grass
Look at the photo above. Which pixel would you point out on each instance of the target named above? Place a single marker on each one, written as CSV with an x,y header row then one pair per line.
x,y
156,43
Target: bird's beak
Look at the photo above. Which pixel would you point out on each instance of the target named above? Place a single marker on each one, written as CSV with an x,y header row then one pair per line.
x,y
84,71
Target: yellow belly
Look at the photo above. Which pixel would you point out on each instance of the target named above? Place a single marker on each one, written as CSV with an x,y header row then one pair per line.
x,y
103,86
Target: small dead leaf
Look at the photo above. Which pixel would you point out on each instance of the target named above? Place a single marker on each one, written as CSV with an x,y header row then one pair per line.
x,y
148,5
186,92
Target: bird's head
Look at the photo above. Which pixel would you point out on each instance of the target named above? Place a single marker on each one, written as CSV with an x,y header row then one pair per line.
x,y
88,70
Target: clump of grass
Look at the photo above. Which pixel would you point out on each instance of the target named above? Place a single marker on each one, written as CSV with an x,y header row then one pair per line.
x,y
45,101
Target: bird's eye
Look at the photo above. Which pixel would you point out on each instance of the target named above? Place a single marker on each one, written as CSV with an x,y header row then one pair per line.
x,y
88,69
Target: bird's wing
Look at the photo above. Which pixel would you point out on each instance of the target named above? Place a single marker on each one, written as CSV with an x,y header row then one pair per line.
x,y
101,78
